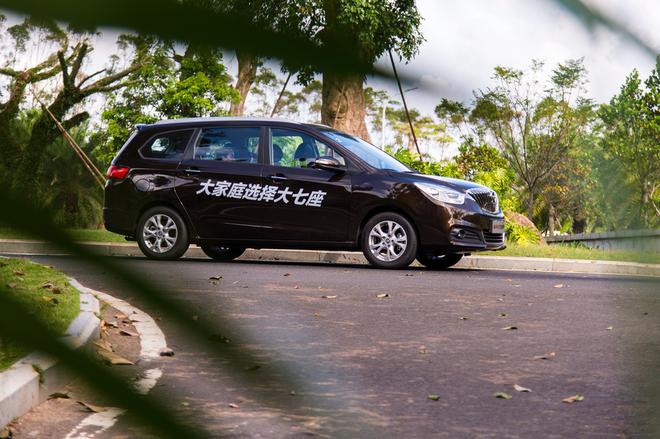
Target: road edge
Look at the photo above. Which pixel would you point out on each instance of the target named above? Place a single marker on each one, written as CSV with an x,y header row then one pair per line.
x,y
579,266
32,379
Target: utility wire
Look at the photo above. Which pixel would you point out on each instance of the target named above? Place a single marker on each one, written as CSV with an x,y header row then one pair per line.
x,y
405,106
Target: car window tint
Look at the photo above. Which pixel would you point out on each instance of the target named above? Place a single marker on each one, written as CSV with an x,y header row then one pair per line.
x,y
296,149
228,145
167,146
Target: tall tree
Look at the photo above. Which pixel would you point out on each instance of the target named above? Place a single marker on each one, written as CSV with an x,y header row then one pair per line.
x,y
631,123
189,83
534,123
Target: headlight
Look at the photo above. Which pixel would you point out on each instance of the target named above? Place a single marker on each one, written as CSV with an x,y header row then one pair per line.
x,y
441,193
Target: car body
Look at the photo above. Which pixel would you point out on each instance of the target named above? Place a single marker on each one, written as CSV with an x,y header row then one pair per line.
x,y
269,183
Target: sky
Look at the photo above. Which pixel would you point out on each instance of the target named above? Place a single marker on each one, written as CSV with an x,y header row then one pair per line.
x,y
466,39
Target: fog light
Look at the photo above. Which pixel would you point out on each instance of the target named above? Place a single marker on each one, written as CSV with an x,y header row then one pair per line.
x,y
460,234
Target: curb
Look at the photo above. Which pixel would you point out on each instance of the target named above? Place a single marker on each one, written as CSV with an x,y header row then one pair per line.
x,y
22,387
583,266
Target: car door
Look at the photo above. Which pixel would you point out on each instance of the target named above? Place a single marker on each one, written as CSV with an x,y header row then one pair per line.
x,y
220,182
308,204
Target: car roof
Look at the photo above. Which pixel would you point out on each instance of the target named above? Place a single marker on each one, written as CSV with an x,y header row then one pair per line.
x,y
205,120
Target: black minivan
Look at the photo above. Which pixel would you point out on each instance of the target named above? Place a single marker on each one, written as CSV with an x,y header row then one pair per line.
x,y
229,183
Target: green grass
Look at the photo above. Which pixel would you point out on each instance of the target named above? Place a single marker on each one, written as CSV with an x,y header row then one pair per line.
x,y
56,306
96,235
575,252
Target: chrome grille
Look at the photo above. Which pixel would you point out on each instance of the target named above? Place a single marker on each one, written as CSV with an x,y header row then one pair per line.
x,y
486,199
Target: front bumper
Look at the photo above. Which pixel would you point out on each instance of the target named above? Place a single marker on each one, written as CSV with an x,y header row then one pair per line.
x,y
461,229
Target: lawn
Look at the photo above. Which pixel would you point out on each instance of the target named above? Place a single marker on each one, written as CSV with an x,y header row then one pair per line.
x,y
96,235
44,290
575,252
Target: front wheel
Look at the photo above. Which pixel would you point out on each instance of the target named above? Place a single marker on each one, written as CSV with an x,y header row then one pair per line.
x,y
162,234
222,253
439,262
389,241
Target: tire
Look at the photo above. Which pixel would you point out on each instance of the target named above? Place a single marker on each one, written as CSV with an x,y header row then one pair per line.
x,y
438,262
162,234
389,241
220,253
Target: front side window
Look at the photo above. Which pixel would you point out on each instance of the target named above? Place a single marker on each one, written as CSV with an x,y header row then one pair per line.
x,y
228,144
296,149
167,146
366,151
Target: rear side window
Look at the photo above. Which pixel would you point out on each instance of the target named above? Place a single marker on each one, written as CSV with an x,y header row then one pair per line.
x,y
229,144
167,146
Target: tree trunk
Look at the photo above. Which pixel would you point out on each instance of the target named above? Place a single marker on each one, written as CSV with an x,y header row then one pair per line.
x,y
247,72
530,205
551,220
343,106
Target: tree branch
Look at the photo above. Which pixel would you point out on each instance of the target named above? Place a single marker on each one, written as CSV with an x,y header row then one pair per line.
x,y
104,83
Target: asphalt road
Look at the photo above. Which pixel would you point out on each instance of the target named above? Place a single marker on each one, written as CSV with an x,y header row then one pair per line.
x,y
365,365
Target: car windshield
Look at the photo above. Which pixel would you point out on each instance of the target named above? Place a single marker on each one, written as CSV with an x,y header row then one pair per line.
x,y
365,150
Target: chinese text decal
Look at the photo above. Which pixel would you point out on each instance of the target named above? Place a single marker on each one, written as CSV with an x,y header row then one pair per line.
x,y
257,192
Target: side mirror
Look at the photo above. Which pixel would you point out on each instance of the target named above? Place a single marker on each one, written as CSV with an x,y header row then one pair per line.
x,y
328,163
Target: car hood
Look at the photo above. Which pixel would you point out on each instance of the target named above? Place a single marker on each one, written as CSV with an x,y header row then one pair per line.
x,y
454,183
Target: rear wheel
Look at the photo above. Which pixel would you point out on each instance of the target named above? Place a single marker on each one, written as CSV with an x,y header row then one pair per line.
x,y
389,241
438,262
162,233
220,253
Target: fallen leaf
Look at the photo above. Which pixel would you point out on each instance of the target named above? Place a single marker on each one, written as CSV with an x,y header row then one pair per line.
x,y
185,404
572,399
166,352
12,286
559,286
56,290
128,333
502,314
408,274
499,299
219,337
502,395
59,395
103,344
232,405
92,408
47,285
112,324
549,356
328,297
510,328
19,272
216,278
111,358
434,397
423,350
521,388
292,393
51,300
296,287
286,274
6,433
610,328
462,318
382,296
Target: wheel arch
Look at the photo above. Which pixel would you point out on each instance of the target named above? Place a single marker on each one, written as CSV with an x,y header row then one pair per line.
x,y
385,209
192,234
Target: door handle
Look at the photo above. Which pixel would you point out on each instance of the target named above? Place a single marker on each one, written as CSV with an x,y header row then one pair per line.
x,y
362,187
277,178
192,171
